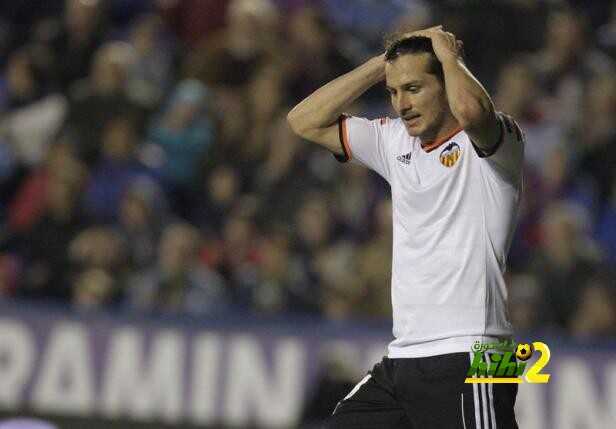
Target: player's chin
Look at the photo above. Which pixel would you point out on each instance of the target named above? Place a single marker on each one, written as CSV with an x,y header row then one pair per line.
x,y
413,131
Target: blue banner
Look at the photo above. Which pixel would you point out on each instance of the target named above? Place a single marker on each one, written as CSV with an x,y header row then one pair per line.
x,y
238,372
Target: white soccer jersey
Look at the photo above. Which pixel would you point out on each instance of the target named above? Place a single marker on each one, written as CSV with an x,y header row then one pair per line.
x,y
454,214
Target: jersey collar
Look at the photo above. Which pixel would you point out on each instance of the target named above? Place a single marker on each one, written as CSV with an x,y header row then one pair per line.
x,y
431,146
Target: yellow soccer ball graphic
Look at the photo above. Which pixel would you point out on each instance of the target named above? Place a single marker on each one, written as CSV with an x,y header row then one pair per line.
x,y
524,351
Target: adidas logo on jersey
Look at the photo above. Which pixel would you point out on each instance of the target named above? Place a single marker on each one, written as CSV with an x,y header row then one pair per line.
x,y
406,159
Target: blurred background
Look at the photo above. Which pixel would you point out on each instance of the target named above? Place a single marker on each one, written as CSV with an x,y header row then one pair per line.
x,y
171,255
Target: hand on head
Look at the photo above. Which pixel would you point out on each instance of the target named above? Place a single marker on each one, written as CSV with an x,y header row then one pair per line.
x,y
444,43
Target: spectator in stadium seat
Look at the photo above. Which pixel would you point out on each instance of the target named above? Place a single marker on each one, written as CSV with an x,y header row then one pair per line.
x,y
10,272
525,301
235,256
519,94
99,98
606,34
374,263
277,273
193,20
565,260
595,313
179,282
92,289
117,168
18,22
149,75
314,232
547,157
101,247
315,58
566,62
178,140
268,79
281,153
313,223
230,109
357,196
599,108
33,112
341,288
285,167
44,246
75,38
216,202
29,202
605,230
99,267
142,215
368,21
25,79
598,154
231,56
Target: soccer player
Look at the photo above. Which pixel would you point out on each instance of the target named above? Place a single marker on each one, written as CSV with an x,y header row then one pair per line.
x,y
454,167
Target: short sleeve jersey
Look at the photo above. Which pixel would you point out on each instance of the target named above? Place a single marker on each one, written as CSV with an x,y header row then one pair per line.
x,y
454,214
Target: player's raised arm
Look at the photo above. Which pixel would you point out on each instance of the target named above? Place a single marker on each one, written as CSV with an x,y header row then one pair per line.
x,y
315,118
469,102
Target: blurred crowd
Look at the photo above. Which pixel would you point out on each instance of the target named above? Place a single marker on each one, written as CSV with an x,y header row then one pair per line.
x,y
146,164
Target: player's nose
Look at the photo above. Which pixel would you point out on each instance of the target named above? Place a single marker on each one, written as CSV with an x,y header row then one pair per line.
x,y
402,104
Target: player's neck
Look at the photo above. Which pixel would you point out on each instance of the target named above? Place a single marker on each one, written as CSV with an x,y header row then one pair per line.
x,y
444,133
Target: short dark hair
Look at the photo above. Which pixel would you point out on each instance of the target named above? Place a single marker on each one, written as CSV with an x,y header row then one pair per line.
x,y
414,45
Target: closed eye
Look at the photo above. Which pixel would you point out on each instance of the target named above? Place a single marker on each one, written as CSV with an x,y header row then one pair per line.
x,y
411,88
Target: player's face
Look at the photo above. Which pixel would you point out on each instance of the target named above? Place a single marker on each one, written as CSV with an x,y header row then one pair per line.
x,y
417,96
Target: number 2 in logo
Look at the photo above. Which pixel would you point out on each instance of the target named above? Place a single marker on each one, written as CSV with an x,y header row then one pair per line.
x,y
533,375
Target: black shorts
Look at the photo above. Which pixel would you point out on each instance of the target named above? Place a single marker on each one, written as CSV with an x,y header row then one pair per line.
x,y
425,393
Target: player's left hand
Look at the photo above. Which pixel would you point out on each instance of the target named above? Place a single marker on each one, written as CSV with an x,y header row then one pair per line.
x,y
445,45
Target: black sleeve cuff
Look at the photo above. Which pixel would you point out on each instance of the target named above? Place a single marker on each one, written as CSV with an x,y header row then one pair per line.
x,y
502,124
345,154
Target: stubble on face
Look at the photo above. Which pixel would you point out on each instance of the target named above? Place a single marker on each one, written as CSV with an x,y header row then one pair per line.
x,y
422,102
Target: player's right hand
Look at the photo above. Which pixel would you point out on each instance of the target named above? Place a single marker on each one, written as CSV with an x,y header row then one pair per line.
x,y
417,32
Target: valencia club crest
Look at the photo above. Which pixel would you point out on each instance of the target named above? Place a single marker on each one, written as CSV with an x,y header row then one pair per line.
x,y
450,155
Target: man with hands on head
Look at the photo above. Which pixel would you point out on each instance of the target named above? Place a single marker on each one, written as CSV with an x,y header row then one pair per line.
x,y
454,167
